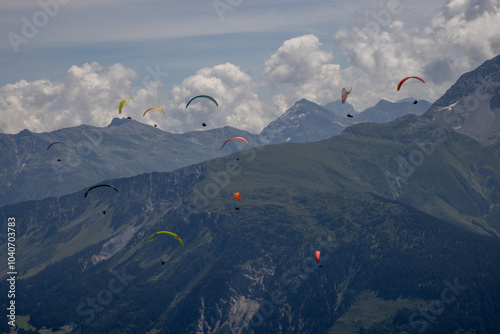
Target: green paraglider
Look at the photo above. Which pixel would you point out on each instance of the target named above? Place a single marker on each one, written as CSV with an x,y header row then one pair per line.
x,y
166,232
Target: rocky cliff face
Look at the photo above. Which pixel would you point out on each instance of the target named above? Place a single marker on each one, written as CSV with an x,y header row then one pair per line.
x,y
472,105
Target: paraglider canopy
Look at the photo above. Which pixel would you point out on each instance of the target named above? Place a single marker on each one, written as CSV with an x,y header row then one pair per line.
x,y
238,196
402,81
166,232
152,108
240,138
318,253
345,91
99,185
349,115
121,105
204,96
56,142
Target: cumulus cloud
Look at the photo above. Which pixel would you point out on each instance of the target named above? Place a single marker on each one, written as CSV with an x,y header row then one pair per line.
x,y
303,70
459,38
382,47
297,61
88,94
238,106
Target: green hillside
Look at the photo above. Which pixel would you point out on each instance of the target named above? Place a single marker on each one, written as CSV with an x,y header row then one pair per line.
x,y
411,160
382,260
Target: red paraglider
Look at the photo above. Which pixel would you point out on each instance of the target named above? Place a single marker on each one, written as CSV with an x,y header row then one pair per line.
x,y
318,253
402,81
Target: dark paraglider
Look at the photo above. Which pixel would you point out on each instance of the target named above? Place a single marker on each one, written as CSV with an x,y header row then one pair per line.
x,y
349,115
57,142
99,185
204,96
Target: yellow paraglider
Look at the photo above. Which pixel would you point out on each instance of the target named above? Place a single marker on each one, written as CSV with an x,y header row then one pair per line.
x,y
121,105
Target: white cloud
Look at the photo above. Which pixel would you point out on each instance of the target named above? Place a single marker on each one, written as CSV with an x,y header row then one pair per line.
x,y
382,49
89,94
297,61
232,88
304,70
460,37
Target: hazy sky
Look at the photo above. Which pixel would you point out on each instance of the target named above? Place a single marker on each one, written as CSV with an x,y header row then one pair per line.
x,y
66,62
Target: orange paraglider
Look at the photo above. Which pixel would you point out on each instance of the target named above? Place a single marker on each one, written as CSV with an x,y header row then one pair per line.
x,y
152,108
241,138
238,196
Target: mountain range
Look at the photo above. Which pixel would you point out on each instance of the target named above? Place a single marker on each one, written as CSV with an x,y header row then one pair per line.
x,y
29,170
406,215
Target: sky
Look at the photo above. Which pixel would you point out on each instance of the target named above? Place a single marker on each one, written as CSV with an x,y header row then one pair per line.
x,y
64,63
